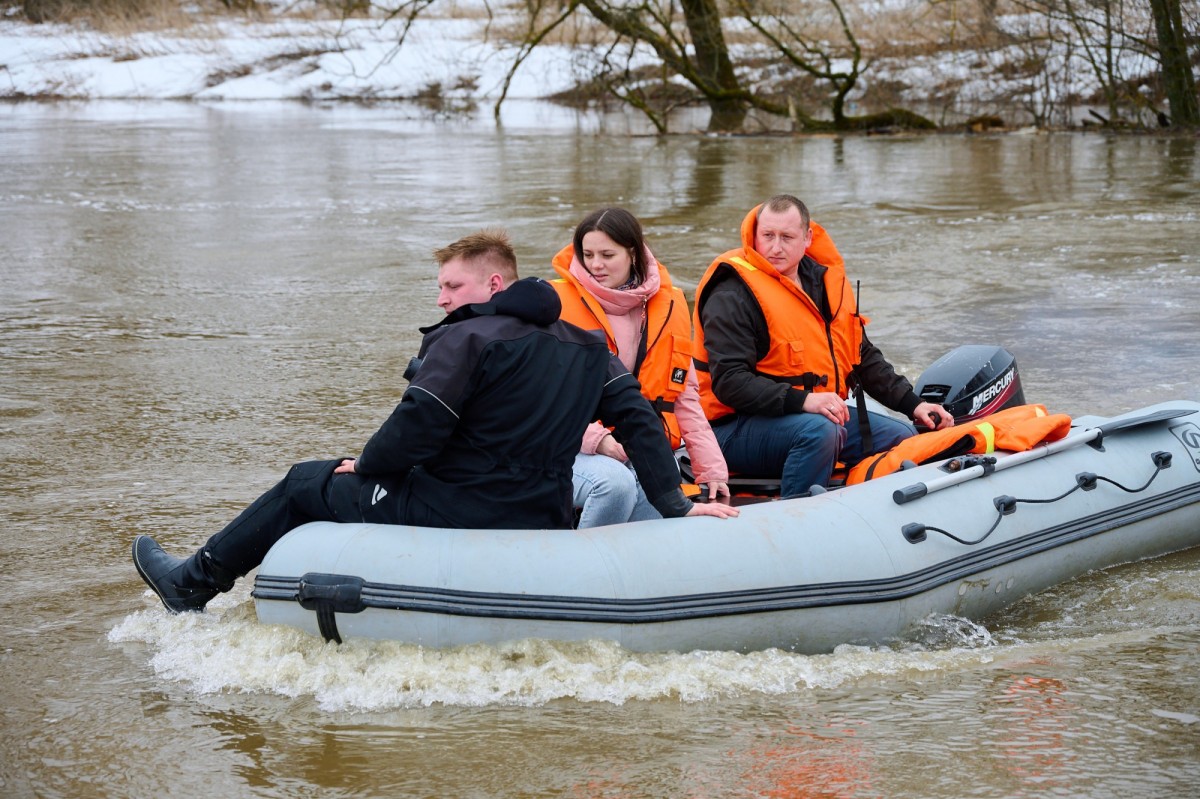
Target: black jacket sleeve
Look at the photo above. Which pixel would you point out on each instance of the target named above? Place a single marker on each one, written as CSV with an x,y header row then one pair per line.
x,y
880,380
637,427
428,412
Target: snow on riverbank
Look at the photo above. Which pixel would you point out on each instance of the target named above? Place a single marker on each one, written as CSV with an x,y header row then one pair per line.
x,y
453,57
236,59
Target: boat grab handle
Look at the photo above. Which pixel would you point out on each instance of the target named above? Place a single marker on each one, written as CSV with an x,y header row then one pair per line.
x,y
330,594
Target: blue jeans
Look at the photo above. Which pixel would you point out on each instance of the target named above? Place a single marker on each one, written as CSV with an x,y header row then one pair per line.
x,y
802,448
609,492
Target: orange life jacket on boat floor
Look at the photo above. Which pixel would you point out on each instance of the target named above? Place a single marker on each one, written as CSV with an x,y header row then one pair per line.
x,y
1014,429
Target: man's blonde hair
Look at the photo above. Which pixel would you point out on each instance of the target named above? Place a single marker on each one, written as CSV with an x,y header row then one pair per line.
x,y
487,250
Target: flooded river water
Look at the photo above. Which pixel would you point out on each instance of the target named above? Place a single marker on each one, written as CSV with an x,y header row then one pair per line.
x,y
194,297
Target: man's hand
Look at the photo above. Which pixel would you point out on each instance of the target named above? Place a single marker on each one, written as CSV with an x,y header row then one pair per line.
x,y
713,509
345,467
935,417
827,405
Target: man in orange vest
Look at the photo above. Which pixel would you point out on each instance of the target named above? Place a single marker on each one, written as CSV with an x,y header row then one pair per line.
x,y
779,345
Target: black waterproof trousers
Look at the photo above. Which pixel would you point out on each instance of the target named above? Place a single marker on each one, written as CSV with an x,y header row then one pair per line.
x,y
311,492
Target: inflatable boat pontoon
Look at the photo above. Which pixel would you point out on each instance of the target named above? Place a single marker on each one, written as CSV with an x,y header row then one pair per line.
x,y
860,564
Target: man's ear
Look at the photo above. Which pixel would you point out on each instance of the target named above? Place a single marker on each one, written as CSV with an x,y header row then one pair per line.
x,y
495,282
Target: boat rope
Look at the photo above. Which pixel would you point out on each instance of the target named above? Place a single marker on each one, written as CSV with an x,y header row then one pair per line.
x,y
1006,505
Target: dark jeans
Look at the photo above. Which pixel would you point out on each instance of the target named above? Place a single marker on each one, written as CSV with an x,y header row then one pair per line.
x,y
802,448
311,492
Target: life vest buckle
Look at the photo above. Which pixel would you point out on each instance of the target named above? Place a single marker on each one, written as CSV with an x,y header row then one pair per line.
x,y
811,380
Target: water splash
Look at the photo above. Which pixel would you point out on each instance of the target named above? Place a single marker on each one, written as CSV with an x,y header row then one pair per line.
x,y
940,631
226,650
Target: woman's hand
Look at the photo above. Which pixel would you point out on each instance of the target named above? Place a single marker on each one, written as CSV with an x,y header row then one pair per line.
x,y
611,447
718,492
345,467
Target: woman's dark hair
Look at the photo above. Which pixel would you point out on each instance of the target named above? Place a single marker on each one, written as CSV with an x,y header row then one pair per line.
x,y
623,228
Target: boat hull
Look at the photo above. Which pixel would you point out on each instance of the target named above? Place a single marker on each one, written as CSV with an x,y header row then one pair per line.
x,y
803,574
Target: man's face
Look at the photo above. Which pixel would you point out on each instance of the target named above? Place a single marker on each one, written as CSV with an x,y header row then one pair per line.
x,y
782,237
463,283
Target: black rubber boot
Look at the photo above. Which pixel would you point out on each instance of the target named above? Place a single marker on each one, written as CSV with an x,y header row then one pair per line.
x,y
183,584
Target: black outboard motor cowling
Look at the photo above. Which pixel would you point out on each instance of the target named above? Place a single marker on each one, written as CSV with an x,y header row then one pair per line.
x,y
972,381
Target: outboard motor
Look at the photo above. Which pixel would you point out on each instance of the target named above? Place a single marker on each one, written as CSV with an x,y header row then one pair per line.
x,y
972,381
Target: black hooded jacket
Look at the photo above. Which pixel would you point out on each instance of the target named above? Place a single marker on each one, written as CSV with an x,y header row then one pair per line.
x,y
489,427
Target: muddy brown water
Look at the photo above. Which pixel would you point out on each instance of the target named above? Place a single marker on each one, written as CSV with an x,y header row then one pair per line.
x,y
193,297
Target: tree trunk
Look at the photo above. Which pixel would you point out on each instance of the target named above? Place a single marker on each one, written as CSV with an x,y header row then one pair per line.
x,y
713,63
1178,80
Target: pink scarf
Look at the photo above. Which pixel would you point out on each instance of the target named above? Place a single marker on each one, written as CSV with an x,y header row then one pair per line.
x,y
626,309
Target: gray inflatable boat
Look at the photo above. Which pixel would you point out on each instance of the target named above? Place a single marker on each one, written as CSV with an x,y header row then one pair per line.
x,y
861,564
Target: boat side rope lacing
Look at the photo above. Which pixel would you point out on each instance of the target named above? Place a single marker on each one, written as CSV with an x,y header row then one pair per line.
x,y
1006,505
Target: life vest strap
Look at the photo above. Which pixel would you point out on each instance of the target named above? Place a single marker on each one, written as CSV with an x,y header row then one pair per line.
x,y
662,406
864,422
807,381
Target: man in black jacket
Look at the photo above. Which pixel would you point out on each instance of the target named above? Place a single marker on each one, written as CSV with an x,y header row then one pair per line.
x,y
484,437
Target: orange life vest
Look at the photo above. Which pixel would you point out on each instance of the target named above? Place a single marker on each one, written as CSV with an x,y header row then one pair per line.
x,y
664,369
1014,429
804,351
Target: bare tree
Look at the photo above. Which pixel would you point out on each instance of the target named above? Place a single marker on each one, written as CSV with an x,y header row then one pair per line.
x,y
537,28
810,54
714,65
1102,47
701,58
1111,38
1178,79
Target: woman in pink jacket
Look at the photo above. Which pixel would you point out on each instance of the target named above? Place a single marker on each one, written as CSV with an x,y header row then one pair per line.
x,y
609,281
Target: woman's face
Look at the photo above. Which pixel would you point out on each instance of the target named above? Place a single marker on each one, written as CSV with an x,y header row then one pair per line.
x,y
605,260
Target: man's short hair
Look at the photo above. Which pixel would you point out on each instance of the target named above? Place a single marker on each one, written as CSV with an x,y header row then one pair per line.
x,y
487,249
782,202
